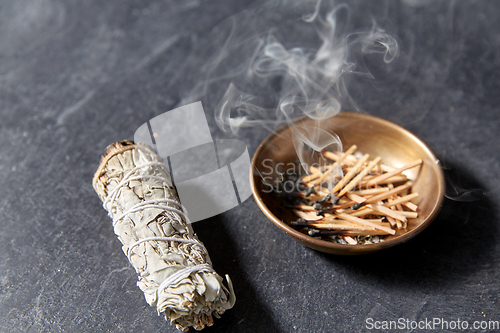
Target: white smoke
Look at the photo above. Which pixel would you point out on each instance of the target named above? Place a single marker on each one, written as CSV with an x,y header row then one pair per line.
x,y
275,84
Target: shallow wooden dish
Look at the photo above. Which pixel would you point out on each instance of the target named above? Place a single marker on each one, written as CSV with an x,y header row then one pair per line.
x,y
374,136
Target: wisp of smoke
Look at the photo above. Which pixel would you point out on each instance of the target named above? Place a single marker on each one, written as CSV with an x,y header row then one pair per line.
x,y
298,81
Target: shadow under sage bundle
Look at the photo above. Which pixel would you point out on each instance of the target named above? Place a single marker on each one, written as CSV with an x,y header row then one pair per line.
x,y
173,266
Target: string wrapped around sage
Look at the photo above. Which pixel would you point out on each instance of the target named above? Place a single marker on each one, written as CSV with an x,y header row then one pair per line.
x,y
174,269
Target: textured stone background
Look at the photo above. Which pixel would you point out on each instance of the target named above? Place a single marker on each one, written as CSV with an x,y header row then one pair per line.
x,y
78,75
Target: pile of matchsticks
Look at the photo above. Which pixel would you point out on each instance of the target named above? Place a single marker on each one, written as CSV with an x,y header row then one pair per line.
x,y
370,201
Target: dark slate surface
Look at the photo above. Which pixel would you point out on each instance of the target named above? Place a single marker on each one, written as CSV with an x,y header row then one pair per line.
x,y
78,75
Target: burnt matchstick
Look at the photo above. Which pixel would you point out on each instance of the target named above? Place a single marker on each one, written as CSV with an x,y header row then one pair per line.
x,y
320,212
310,191
394,172
402,200
325,199
351,173
332,156
314,174
320,233
309,216
299,223
365,223
318,206
301,186
360,175
389,193
356,206
334,165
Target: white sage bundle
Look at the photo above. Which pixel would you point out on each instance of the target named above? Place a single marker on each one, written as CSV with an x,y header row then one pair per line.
x,y
174,269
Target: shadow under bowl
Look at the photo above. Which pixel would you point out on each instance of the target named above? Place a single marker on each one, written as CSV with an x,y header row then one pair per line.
x,y
372,135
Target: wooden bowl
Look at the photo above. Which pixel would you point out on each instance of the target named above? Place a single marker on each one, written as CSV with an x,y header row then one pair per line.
x,y
374,136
